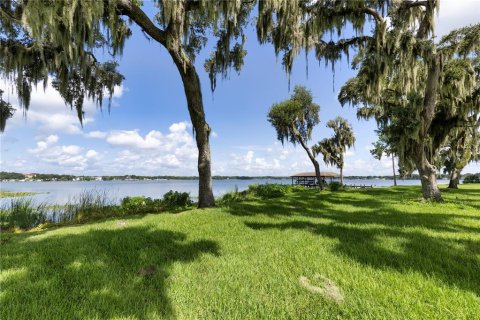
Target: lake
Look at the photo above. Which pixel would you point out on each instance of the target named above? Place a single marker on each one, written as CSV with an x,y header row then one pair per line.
x,y
61,192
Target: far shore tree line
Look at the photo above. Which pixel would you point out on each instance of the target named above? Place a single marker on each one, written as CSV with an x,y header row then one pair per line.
x,y
423,92
17,176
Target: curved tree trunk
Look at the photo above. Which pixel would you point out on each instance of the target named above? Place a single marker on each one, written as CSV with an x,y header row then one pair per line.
x,y
341,175
454,179
316,165
193,93
317,172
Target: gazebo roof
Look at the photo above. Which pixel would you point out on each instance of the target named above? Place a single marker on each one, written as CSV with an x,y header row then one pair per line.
x,y
324,174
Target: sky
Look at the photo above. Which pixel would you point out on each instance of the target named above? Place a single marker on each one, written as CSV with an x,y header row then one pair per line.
x,y
148,130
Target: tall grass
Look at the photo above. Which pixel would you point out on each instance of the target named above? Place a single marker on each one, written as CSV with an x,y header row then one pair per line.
x,y
88,205
22,213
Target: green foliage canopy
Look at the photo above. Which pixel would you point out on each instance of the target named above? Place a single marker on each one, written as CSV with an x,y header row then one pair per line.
x,y
294,118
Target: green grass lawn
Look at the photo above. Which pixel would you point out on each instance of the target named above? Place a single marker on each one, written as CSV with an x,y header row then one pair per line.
x,y
387,253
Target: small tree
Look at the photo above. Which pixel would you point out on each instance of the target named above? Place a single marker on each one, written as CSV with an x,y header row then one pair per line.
x,y
333,149
462,147
382,147
294,119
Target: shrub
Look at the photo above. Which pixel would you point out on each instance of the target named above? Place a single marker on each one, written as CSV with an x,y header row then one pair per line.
x,y
298,188
473,178
268,191
175,199
232,197
22,213
335,186
136,205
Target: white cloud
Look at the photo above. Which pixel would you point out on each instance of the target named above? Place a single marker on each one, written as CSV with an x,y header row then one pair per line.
x,y
67,157
96,134
349,153
91,154
178,141
155,153
48,112
131,138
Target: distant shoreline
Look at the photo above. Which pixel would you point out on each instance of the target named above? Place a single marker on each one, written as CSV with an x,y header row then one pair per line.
x,y
106,179
14,176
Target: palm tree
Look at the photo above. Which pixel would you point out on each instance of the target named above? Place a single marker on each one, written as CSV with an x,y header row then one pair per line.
x,y
333,149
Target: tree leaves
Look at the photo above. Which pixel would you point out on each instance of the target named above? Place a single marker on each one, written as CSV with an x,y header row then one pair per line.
x,y
294,118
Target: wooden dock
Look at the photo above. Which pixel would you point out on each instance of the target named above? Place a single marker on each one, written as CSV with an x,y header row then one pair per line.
x,y
359,186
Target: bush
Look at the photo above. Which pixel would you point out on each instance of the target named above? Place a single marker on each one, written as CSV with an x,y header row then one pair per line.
x,y
335,186
175,199
268,191
298,188
473,178
232,197
136,205
22,213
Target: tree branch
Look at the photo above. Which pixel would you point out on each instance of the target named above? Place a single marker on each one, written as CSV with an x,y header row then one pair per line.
x,y
374,14
127,8
405,5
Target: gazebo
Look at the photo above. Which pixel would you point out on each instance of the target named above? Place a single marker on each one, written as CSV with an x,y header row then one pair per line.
x,y
309,179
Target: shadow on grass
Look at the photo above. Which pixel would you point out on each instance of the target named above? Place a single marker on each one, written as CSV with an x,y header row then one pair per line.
x,y
372,230
98,274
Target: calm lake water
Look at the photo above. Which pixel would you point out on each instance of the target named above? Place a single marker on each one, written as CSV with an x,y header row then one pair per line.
x,y
61,192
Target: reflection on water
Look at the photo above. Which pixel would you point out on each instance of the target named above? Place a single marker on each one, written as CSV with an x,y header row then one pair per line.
x,y
61,192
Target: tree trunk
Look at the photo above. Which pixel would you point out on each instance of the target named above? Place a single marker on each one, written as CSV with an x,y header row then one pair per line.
x,y
341,175
425,168
314,161
454,179
193,93
428,177
317,172
394,174
171,39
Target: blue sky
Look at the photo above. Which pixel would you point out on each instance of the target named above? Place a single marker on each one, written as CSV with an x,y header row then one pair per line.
x,y
148,131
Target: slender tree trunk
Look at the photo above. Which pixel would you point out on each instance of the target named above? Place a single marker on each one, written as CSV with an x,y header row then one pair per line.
x,y
317,172
454,179
316,165
394,174
341,175
193,93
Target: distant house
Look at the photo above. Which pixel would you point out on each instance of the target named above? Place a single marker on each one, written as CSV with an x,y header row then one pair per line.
x,y
30,176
